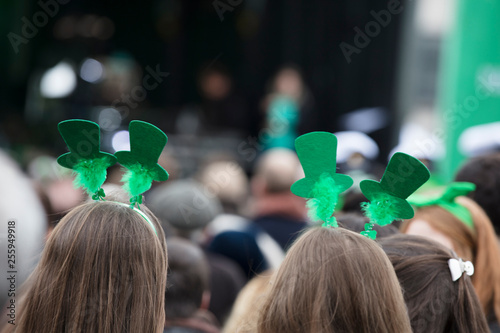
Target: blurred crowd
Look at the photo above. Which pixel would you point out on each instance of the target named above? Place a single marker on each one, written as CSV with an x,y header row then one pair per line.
x,y
241,246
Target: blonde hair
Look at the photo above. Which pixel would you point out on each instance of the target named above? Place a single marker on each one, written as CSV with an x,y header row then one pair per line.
x,y
334,280
247,305
478,245
103,270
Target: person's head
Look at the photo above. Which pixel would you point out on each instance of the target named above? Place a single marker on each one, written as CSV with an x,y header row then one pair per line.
x,y
184,207
215,83
276,170
187,279
103,269
436,303
478,244
227,181
334,280
483,171
246,307
288,81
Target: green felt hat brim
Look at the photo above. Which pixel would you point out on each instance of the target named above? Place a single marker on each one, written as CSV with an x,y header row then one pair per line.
x,y
303,187
372,188
69,160
127,158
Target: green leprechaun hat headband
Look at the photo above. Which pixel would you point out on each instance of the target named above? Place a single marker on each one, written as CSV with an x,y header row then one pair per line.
x,y
90,164
403,176
322,185
446,200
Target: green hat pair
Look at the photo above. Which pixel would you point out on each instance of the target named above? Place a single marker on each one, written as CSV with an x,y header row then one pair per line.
x,y
446,200
90,164
317,152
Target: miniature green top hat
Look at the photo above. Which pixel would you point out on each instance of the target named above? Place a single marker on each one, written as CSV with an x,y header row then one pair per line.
x,y
83,139
317,152
146,144
447,201
85,158
322,185
403,176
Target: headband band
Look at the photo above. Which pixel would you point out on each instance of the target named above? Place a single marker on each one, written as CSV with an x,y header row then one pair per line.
x,y
144,216
447,201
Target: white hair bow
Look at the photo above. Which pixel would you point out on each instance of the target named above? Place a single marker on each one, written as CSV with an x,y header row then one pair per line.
x,y
458,267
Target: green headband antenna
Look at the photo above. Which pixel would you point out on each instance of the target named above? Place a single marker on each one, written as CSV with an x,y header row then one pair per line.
x,y
322,185
403,176
447,201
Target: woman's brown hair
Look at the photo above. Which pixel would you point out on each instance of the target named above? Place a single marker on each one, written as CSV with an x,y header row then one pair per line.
x,y
478,245
103,270
334,280
436,304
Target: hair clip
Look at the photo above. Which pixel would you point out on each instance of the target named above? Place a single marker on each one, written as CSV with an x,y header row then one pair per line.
x,y
403,176
83,139
146,144
322,185
458,267
447,201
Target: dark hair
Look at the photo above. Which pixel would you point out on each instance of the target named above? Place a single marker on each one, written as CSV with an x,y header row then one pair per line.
x,y
356,223
352,202
187,279
435,303
103,269
479,245
484,171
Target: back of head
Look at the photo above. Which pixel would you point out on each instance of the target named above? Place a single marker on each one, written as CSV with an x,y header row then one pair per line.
x,y
277,169
228,182
435,303
183,205
483,171
478,245
188,275
334,280
247,306
103,270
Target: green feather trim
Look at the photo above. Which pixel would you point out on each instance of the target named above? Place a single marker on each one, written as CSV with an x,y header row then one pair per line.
x,y
137,179
325,195
381,210
91,174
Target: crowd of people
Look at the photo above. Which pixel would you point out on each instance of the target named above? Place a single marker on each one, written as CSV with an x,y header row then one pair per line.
x,y
222,251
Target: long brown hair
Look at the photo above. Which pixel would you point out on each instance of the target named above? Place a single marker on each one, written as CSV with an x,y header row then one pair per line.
x,y
103,270
436,304
478,245
334,280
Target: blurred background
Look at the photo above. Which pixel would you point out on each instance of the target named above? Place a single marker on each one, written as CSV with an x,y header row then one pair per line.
x,y
233,78
233,83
